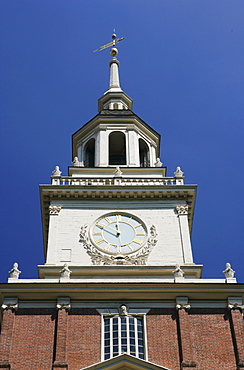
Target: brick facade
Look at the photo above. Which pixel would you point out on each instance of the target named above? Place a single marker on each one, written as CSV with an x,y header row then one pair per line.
x,y
41,339
162,339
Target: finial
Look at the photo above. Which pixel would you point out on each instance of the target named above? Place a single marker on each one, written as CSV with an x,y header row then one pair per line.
x,y
65,272
228,272
177,271
178,172
117,172
14,272
56,171
158,163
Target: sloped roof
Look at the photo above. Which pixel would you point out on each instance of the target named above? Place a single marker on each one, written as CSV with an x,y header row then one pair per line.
x,y
125,362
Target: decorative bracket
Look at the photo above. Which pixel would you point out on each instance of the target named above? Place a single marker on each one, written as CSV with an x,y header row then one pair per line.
x,y
63,303
235,303
54,210
10,303
182,209
182,303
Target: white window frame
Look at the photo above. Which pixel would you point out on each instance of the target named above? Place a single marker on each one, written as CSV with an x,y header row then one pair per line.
x,y
134,316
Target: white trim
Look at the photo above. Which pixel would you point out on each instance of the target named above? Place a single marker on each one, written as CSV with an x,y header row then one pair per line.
x,y
145,337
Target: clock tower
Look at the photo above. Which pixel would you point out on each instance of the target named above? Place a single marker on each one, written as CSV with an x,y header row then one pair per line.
x,y
119,288
117,207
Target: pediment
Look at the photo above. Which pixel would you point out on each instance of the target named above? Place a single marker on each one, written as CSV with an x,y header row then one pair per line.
x,y
125,362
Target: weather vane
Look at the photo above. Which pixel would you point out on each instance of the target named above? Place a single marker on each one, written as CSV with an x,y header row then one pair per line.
x,y
114,42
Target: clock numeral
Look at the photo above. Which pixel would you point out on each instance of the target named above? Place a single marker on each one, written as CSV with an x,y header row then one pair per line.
x,y
119,249
118,218
137,226
107,219
101,225
98,233
99,241
137,241
131,248
141,233
107,247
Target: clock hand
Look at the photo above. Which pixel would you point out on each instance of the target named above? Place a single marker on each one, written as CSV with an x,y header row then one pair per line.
x,y
117,227
111,228
109,232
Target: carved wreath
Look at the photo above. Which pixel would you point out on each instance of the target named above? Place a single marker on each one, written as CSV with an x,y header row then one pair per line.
x,y
98,258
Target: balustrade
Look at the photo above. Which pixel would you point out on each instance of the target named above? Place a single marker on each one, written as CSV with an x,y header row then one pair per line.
x,y
122,181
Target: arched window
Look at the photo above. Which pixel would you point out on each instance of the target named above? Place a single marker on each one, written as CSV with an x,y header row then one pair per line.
x,y
117,151
90,153
123,334
144,154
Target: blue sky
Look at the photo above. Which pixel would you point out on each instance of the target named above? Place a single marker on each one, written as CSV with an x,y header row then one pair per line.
x,y
183,64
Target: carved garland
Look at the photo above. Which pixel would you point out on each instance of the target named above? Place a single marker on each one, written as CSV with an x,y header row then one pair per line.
x,y
98,258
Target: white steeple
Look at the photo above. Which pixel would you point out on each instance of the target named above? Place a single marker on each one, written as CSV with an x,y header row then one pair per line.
x,y
114,98
114,72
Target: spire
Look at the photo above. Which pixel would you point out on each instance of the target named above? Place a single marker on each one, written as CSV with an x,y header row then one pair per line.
x,y
114,72
114,98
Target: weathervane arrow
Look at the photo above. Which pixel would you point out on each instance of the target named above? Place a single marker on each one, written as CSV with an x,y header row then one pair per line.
x,y
114,42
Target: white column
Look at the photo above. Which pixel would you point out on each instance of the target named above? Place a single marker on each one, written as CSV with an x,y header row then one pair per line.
x,y
52,234
152,155
132,149
185,233
80,153
101,149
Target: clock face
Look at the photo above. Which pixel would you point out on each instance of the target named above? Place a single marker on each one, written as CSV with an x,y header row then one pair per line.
x,y
119,233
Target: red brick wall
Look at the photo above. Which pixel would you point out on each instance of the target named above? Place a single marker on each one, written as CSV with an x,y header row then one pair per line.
x,y
212,341
162,338
215,336
210,337
83,338
32,343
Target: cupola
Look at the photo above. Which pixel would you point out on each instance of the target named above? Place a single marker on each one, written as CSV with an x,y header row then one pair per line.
x,y
115,136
